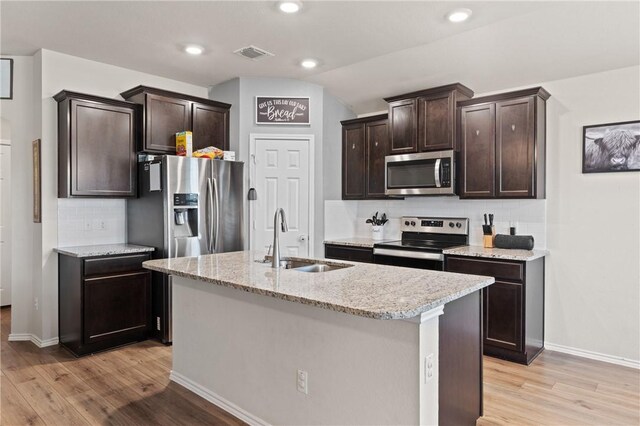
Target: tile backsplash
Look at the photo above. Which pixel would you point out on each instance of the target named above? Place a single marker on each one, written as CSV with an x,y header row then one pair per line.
x,y
345,219
91,221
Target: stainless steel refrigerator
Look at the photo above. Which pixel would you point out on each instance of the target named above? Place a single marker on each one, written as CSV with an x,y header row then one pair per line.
x,y
185,207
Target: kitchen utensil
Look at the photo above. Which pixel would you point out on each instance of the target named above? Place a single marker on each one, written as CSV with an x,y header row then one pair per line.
x,y
490,219
485,219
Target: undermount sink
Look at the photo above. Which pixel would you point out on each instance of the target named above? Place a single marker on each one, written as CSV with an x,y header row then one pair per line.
x,y
312,266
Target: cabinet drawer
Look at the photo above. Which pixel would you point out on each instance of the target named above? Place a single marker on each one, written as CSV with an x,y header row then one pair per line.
x,y
114,264
499,270
116,306
356,254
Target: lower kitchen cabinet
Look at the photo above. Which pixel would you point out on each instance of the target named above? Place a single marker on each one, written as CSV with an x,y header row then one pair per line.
x,y
355,254
513,307
103,302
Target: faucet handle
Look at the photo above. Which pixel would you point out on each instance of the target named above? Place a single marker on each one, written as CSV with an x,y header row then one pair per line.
x,y
269,250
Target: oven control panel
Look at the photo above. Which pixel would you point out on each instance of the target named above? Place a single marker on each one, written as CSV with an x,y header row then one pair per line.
x,y
437,225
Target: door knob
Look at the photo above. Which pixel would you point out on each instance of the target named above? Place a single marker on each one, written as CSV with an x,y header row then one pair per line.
x,y
302,238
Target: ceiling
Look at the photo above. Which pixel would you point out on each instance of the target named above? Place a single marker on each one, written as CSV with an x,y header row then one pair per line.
x,y
367,50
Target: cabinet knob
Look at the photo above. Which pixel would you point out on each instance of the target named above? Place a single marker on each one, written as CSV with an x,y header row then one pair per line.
x,y
513,127
353,146
477,132
376,143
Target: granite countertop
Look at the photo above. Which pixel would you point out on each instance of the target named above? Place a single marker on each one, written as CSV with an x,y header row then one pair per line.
x,y
496,253
357,242
368,290
103,250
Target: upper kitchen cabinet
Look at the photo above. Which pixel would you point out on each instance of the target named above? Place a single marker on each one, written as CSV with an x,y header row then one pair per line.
x,y
166,113
96,146
425,120
365,143
502,145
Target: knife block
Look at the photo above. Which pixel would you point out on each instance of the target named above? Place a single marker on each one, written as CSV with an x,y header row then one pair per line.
x,y
488,239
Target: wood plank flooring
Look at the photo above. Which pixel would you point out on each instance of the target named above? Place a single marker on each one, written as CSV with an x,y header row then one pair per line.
x,y
130,386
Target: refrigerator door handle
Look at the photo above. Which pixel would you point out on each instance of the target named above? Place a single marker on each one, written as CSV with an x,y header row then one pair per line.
x,y
209,215
217,200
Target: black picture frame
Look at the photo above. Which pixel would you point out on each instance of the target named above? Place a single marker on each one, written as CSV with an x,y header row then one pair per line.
x,y
10,60
596,148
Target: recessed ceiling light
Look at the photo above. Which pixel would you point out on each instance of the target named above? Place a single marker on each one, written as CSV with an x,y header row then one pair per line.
x,y
193,50
459,15
289,6
309,63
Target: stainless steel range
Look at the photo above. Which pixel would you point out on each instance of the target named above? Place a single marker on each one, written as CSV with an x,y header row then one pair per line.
x,y
422,243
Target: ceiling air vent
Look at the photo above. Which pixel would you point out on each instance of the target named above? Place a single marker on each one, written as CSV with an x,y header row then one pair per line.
x,y
252,52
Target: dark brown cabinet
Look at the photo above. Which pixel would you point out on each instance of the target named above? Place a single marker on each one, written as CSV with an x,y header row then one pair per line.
x,y
103,301
365,144
354,254
425,120
96,146
502,145
166,113
513,307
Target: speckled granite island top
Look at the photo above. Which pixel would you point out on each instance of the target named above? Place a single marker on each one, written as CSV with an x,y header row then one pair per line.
x,y
103,250
496,253
368,290
357,242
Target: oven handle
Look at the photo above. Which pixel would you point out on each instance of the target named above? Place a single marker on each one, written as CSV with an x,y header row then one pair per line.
x,y
437,173
409,254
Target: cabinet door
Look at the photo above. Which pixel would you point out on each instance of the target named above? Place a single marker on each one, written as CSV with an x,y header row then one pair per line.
x,y
435,122
403,130
116,305
103,153
477,151
164,117
503,320
353,162
515,147
210,126
377,135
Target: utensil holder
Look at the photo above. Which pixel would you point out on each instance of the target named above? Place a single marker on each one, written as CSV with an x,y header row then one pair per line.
x,y
489,239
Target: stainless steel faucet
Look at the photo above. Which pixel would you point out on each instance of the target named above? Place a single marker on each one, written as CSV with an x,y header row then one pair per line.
x,y
279,221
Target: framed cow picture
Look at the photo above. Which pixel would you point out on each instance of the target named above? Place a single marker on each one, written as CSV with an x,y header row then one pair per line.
x,y
611,147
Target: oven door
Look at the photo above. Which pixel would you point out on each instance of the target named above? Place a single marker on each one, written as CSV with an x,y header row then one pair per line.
x,y
409,259
427,173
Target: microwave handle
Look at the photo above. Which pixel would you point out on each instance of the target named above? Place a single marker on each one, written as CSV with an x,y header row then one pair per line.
x,y
437,173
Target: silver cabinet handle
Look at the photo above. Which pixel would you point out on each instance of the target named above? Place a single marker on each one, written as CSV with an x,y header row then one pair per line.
x,y
513,127
353,146
376,144
477,132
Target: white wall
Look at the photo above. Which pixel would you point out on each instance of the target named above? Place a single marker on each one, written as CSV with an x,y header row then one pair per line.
x,y
593,273
37,263
19,113
589,222
325,114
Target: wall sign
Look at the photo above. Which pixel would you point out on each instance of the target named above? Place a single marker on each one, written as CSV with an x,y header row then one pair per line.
x,y
282,110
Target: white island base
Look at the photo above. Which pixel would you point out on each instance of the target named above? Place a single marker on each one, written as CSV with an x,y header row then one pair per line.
x,y
242,352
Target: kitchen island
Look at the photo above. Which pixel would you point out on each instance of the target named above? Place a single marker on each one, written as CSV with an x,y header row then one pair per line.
x,y
363,344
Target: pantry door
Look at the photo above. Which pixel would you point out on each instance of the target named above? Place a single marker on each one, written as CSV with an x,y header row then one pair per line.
x,y
282,175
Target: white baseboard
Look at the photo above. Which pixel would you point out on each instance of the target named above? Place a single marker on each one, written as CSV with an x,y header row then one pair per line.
x,y
216,399
26,337
593,355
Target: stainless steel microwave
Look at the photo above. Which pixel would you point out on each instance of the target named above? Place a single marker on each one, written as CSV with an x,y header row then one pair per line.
x,y
424,173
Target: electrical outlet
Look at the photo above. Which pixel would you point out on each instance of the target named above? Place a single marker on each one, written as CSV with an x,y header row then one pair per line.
x,y
35,303
158,323
303,382
428,368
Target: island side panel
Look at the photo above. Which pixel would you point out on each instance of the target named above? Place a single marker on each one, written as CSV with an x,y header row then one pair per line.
x,y
242,351
460,384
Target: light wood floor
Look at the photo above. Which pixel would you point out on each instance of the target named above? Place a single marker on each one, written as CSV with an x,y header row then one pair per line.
x,y
130,386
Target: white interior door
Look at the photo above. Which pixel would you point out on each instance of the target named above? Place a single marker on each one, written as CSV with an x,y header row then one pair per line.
x,y
5,220
282,178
